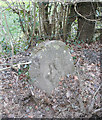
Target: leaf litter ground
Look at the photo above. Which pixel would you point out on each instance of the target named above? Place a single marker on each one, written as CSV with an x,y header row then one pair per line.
x,y
16,96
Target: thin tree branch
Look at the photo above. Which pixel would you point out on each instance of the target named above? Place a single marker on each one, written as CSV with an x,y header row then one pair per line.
x,y
93,99
92,20
97,110
10,41
18,65
34,7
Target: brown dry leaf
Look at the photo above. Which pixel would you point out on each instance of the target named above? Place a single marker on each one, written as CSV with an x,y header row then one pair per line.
x,y
62,78
75,77
30,116
36,107
98,64
72,55
92,64
0,61
60,83
10,85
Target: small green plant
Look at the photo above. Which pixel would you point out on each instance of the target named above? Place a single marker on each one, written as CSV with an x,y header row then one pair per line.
x,y
74,57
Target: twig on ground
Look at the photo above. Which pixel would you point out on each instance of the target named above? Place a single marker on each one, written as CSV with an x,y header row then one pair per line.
x,y
18,65
81,86
33,95
97,110
94,112
93,99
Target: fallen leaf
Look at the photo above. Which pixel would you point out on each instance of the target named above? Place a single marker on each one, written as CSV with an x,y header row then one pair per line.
x,y
10,85
30,116
98,64
60,83
75,78
68,94
36,107
72,55
92,74
92,64
62,78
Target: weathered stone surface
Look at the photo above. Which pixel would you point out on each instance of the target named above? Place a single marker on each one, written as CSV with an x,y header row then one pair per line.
x,y
51,60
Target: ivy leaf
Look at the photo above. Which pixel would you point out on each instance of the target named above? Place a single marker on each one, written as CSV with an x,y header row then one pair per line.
x,y
28,6
76,20
8,9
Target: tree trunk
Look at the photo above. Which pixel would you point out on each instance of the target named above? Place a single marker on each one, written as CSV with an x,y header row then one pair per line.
x,y
71,16
47,25
86,28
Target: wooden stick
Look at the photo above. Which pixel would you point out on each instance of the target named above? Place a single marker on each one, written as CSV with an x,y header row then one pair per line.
x,y
92,20
15,65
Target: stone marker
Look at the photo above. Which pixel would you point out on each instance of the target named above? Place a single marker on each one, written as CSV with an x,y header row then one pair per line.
x,y
51,60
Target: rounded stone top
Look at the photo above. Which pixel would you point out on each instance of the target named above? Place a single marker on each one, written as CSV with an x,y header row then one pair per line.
x,y
51,60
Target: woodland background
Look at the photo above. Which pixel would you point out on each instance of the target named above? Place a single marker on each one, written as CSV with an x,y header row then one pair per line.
x,y
25,24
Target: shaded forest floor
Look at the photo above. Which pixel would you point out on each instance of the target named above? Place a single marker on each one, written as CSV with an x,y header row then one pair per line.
x,y
17,100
